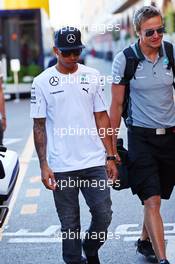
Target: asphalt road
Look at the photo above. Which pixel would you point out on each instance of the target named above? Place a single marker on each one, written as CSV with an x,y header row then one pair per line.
x,y
30,234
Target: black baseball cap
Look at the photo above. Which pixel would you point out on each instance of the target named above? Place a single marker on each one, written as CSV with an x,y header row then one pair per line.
x,y
68,38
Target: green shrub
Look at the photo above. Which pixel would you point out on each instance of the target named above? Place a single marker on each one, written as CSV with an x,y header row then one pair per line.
x,y
33,70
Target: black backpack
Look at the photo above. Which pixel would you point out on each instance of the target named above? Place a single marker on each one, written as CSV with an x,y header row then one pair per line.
x,y
132,62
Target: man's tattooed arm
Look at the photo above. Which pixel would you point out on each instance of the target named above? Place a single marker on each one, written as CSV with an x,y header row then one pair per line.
x,y
40,139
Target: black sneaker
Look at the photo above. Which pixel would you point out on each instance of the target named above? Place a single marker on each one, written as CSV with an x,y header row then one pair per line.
x,y
145,248
164,261
93,259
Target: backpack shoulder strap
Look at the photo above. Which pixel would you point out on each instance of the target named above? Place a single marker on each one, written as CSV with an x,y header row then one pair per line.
x,y
170,54
132,62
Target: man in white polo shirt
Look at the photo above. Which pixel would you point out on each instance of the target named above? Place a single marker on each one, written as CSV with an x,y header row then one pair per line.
x,y
71,125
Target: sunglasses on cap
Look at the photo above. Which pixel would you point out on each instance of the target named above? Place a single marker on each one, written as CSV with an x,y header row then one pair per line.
x,y
150,32
67,53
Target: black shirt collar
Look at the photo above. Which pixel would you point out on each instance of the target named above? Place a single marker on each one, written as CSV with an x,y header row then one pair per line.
x,y
140,54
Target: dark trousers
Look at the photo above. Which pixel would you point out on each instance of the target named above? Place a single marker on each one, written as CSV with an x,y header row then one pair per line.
x,y
90,182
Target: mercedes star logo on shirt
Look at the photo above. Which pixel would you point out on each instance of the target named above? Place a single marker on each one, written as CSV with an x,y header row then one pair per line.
x,y
54,81
71,38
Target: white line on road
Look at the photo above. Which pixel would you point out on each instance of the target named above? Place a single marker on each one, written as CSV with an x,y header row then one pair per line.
x,y
133,229
50,231
35,240
50,235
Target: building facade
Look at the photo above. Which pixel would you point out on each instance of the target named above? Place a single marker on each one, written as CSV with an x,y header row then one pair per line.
x,y
116,17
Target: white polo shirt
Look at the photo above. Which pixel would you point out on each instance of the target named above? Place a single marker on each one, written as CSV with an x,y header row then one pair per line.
x,y
68,102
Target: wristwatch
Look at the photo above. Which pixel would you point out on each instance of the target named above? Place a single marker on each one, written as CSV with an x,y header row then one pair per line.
x,y
111,157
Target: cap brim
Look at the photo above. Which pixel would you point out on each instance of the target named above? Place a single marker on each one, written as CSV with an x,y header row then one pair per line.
x,y
71,48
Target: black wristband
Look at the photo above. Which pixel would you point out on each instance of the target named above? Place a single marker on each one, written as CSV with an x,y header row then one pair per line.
x,y
111,157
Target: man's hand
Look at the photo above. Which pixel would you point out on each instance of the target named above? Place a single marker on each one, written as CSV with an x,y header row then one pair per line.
x,y
118,159
48,178
112,170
